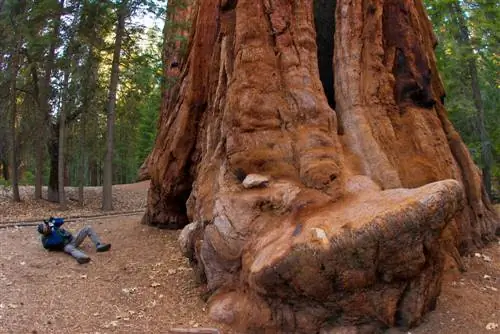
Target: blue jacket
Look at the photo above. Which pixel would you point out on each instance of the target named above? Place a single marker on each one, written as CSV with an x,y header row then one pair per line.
x,y
57,237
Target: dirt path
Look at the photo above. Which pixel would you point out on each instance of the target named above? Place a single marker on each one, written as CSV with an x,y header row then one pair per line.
x,y
143,285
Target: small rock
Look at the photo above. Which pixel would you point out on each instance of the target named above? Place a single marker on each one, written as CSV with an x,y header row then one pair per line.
x,y
319,234
12,306
493,288
486,276
22,263
171,271
84,276
486,258
491,326
63,276
129,291
255,180
477,254
113,323
95,314
155,284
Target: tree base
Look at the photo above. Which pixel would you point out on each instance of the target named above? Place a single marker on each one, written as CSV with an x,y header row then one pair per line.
x,y
373,260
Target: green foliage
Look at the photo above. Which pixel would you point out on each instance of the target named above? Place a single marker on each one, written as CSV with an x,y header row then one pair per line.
x,y
83,48
455,52
4,183
27,178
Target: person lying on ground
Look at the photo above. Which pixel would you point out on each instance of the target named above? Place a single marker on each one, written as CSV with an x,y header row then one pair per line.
x,y
56,238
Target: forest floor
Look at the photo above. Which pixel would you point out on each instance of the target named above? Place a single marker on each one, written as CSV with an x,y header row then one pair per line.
x,y
144,285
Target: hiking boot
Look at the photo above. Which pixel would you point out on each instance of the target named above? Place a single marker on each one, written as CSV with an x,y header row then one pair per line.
x,y
83,260
103,247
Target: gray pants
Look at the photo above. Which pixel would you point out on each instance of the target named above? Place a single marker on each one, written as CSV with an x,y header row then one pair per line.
x,y
72,247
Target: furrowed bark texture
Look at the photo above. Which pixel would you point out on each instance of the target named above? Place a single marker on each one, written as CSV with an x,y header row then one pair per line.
x,y
362,205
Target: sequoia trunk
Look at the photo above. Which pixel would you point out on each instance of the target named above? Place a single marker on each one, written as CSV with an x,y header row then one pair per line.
x,y
364,188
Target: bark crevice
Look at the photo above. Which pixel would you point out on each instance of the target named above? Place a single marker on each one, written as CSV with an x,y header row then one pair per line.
x,y
324,22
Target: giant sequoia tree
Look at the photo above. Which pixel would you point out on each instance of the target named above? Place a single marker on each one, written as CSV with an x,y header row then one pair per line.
x,y
365,188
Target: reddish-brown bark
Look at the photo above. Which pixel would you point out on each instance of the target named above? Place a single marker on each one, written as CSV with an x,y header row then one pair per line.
x,y
362,204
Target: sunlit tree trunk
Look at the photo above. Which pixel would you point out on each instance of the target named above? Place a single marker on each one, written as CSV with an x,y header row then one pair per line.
x,y
363,190
62,136
107,196
49,133
13,71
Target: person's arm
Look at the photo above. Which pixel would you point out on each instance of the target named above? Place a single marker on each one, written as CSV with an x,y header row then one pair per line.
x,y
57,222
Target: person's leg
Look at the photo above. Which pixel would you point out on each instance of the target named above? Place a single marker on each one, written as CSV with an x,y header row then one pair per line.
x,y
80,256
88,231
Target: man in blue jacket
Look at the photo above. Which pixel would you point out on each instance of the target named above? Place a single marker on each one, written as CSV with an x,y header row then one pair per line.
x,y
54,237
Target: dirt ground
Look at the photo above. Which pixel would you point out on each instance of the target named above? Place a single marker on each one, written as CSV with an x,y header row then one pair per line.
x,y
144,285
126,197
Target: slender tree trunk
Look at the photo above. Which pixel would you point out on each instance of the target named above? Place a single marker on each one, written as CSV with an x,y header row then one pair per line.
x,y
53,150
13,68
471,61
4,139
87,107
81,169
39,166
40,142
52,134
62,126
107,198
13,71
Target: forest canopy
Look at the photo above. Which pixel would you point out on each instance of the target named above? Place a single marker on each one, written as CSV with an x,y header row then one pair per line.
x,y
56,64
56,59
